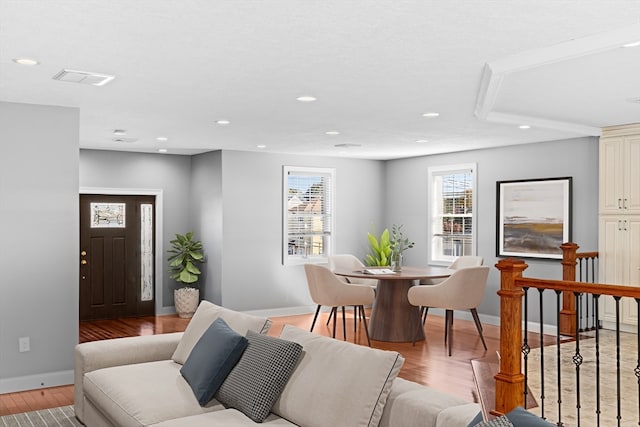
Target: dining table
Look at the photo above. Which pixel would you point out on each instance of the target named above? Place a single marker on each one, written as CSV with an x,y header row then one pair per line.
x,y
393,318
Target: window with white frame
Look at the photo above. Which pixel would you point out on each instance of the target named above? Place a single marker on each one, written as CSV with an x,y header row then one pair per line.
x,y
452,213
307,214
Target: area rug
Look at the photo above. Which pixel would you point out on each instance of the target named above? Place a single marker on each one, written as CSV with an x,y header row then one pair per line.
x,y
568,414
62,416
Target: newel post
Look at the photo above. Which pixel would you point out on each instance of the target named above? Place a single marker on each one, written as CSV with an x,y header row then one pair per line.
x,y
510,379
568,311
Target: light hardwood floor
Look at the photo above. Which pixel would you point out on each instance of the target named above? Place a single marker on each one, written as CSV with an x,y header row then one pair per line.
x,y
426,362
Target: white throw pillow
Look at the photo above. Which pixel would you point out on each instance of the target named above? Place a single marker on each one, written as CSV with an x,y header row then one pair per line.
x,y
204,316
347,383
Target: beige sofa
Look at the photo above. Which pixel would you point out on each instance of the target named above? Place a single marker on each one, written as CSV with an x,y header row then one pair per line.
x,y
137,382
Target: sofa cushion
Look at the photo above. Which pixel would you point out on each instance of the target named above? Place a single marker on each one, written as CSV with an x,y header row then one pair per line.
x,y
206,313
143,394
257,380
224,418
212,358
414,405
336,383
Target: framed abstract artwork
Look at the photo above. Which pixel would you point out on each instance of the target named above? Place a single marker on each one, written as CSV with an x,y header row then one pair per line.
x,y
533,217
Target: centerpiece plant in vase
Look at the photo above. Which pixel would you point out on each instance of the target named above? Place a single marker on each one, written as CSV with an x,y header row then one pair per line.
x,y
399,243
184,255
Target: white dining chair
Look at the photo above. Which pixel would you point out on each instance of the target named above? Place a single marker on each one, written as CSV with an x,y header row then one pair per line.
x,y
463,290
328,290
350,262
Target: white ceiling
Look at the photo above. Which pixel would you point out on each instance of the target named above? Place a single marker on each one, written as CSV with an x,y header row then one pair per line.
x,y
375,67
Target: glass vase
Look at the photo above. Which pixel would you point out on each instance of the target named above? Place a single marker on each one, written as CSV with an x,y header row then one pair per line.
x,y
396,261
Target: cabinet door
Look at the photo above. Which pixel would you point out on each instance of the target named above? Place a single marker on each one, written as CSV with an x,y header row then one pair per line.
x,y
631,198
611,175
612,241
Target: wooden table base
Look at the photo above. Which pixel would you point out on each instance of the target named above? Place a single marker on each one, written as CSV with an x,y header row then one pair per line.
x,y
392,317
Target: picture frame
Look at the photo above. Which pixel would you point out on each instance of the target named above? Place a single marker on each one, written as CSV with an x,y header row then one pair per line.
x,y
533,217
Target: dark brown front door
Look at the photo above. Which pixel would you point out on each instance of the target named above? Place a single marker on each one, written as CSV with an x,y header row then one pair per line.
x,y
116,256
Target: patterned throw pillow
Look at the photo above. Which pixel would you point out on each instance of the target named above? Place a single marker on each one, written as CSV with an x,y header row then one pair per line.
x,y
502,421
257,380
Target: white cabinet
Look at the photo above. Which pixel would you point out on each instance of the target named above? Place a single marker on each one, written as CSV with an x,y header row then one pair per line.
x,y
620,175
619,263
619,220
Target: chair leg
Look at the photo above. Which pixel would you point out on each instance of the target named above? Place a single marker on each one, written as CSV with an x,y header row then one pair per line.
x,y
334,310
344,325
449,330
315,318
366,328
329,318
476,319
425,310
355,319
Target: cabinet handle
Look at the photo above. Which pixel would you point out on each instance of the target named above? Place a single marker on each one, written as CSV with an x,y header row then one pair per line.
x,y
625,225
619,203
625,203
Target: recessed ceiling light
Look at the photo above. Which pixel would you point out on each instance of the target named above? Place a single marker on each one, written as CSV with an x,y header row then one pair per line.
x,y
431,114
422,140
25,61
162,138
632,44
119,132
332,132
306,98
524,127
223,122
162,150
261,146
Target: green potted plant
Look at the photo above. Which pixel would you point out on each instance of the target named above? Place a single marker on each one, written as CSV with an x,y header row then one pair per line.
x,y
184,256
379,249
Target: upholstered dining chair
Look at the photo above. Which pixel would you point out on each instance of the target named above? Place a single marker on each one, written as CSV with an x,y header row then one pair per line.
x,y
351,263
463,290
328,290
463,261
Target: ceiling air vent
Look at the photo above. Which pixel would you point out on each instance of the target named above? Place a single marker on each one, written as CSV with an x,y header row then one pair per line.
x,y
634,100
84,77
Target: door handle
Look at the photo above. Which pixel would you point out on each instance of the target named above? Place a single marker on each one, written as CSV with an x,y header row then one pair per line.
x,y
83,253
83,262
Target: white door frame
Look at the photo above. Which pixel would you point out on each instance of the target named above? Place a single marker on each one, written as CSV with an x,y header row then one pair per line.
x,y
158,224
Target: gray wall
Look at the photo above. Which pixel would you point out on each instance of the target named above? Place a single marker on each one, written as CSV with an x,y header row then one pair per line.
x,y
206,219
138,172
39,258
253,277
406,201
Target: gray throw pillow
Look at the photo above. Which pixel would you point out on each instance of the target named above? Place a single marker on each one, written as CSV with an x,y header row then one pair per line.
x,y
257,380
212,358
520,417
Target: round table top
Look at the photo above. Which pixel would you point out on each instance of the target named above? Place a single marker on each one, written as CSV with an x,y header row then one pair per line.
x,y
407,273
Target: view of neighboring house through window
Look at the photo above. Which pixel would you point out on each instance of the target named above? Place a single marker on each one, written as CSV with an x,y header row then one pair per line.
x,y
307,214
452,223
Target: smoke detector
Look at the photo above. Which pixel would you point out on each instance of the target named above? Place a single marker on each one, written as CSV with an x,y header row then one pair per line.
x,y
83,77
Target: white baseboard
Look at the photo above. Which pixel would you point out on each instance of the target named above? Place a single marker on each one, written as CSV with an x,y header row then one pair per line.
x,y
286,311
33,382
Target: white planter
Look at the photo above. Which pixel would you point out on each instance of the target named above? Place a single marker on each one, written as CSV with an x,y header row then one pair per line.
x,y
186,301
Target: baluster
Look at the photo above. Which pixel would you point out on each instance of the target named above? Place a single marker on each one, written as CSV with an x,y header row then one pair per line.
x,y
577,360
636,371
541,355
525,345
596,310
559,359
619,416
